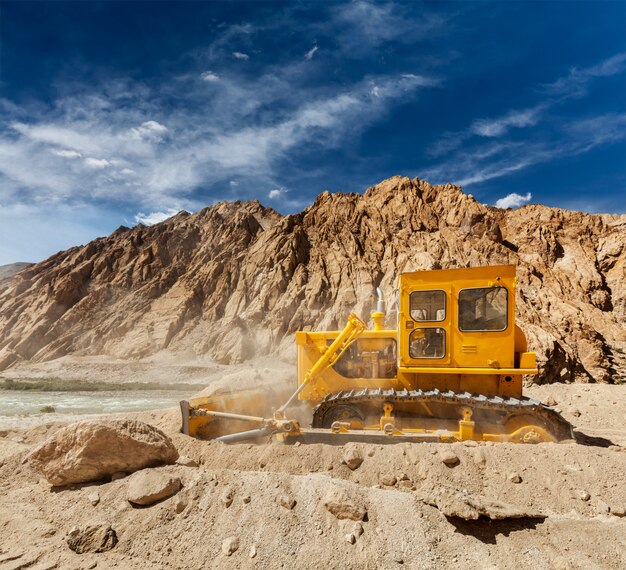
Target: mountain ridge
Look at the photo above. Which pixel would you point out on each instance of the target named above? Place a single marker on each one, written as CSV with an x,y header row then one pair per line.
x,y
236,279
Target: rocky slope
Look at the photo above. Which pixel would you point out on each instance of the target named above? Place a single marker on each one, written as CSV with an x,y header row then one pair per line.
x,y
11,269
236,280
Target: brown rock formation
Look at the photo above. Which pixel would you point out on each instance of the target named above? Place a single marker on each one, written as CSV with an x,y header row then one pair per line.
x,y
236,280
94,450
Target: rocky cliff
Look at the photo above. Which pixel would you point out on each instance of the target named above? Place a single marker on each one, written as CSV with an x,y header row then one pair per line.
x,y
236,280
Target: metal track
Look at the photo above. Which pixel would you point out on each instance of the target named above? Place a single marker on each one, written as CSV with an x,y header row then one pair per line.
x,y
506,407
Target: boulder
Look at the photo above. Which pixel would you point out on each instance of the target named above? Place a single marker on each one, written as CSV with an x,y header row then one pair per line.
x,y
92,538
94,450
148,486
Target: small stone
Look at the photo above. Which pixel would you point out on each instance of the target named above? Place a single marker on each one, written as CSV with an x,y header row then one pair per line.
x,y
227,498
180,504
618,511
479,457
352,456
514,478
370,453
449,458
230,545
342,506
576,412
398,557
551,402
358,529
246,499
584,495
286,501
186,461
252,552
404,477
470,443
117,476
94,498
388,480
350,538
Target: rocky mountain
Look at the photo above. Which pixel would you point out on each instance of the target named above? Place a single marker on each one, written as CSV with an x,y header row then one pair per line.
x,y
236,280
11,269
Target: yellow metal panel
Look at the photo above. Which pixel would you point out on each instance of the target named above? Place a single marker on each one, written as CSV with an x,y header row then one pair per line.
x,y
491,349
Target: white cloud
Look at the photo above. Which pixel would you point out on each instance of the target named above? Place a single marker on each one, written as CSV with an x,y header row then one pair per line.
x,y
241,55
127,171
499,126
96,163
66,153
149,130
364,25
496,159
154,217
309,54
576,82
210,76
276,193
514,200
233,183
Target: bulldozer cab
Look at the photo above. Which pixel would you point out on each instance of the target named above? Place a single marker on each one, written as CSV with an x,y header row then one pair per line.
x,y
457,318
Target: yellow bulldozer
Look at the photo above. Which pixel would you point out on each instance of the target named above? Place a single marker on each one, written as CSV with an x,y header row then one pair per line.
x,y
451,370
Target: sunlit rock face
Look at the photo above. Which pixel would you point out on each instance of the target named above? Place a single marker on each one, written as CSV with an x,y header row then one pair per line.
x,y
236,280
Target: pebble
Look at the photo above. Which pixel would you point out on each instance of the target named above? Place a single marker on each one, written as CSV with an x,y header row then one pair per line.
x,y
350,538
352,456
388,480
514,478
186,461
584,495
246,499
576,412
94,498
230,545
252,553
180,504
286,501
449,458
227,498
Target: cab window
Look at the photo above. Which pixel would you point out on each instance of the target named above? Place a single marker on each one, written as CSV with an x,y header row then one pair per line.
x,y
427,343
428,306
483,309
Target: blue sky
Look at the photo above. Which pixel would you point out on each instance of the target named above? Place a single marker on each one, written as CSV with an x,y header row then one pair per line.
x,y
118,112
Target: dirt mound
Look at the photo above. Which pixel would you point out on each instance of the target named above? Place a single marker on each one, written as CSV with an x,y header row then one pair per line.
x,y
236,280
273,505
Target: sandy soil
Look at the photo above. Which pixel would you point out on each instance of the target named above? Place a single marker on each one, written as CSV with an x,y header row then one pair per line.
x,y
579,488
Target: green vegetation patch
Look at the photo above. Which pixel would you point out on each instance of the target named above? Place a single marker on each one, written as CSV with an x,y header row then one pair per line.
x,y
61,385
